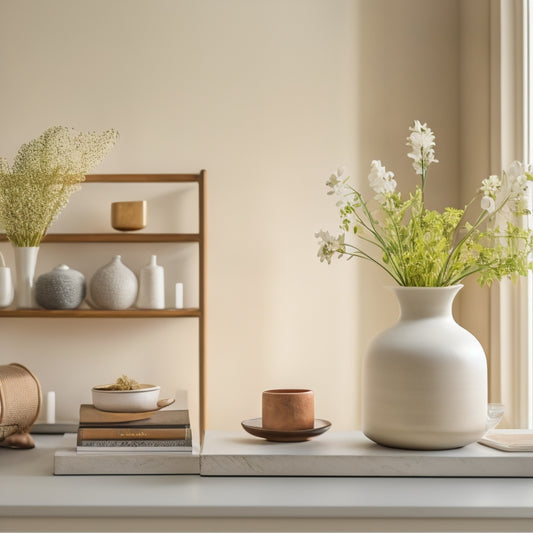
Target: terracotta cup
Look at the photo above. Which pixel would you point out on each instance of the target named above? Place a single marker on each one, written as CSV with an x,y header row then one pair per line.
x,y
288,409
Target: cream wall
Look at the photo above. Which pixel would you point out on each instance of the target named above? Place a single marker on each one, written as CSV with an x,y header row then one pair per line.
x,y
269,97
475,134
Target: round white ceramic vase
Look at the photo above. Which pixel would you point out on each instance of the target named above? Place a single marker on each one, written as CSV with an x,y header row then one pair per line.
x,y
113,286
25,263
425,379
151,286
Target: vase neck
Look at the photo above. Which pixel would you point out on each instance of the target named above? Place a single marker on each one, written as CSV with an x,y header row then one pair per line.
x,y
426,302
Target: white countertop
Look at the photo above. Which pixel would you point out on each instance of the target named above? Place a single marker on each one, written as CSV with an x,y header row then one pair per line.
x,y
29,489
350,453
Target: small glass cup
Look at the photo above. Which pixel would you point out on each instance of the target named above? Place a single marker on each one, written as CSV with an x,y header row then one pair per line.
x,y
494,414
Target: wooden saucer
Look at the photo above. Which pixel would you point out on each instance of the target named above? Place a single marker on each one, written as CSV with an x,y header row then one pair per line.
x,y
254,426
92,415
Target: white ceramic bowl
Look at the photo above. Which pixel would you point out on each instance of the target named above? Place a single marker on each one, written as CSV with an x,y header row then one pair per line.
x,y
126,401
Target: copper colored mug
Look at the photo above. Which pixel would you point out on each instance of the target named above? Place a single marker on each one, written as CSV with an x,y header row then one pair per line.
x,y
288,409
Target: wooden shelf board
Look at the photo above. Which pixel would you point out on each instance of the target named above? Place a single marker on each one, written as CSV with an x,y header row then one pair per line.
x,y
117,237
142,178
99,313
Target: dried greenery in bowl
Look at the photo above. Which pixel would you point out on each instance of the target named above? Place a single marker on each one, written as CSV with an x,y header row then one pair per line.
x,y
44,174
122,383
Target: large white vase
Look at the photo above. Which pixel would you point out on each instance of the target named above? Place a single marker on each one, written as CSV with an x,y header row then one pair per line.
x,y
425,379
25,262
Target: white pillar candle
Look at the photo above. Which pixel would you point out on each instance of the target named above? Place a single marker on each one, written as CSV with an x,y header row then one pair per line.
x,y
51,407
179,295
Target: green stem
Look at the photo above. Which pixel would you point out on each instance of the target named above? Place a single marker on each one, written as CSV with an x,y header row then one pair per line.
x,y
382,243
363,255
484,215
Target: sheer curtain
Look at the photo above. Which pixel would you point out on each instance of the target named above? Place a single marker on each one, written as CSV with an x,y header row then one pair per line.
x,y
511,318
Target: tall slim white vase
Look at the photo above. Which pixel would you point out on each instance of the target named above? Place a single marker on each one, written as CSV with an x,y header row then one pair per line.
x,y
151,286
25,262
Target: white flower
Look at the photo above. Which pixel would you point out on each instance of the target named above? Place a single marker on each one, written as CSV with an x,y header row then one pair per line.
x,y
422,141
329,245
385,201
522,206
381,180
338,187
488,203
335,180
516,169
515,186
490,186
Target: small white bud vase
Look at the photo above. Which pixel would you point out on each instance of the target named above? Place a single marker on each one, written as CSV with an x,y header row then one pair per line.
x,y
61,288
425,379
151,286
7,291
25,262
113,286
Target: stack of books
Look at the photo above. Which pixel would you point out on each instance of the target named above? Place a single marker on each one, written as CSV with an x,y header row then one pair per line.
x,y
163,431
129,443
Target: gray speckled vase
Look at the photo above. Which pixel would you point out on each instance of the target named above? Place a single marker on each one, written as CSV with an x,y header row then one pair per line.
x,y
61,288
113,286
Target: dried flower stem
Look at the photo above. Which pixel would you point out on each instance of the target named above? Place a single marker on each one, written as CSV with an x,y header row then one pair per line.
x,y
45,172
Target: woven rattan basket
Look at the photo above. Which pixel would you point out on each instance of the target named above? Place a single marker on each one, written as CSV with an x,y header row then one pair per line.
x,y
20,403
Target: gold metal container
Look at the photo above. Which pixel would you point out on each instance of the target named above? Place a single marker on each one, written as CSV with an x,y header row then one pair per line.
x,y
129,216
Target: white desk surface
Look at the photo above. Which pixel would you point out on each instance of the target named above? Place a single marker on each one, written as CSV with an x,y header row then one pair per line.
x,y
350,453
32,497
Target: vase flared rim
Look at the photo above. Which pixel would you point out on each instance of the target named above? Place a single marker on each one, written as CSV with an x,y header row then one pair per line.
x,y
457,287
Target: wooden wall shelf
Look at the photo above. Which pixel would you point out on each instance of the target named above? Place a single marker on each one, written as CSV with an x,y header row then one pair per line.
x,y
140,237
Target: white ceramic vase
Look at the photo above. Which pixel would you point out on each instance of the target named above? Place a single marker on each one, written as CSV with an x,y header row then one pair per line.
x,y
25,262
151,286
7,291
113,286
425,379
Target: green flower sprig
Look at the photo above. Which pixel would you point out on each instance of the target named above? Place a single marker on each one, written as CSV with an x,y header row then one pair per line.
x,y
419,247
44,174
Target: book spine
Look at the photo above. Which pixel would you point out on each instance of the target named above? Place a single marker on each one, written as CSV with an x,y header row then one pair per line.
x,y
133,433
135,443
122,451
